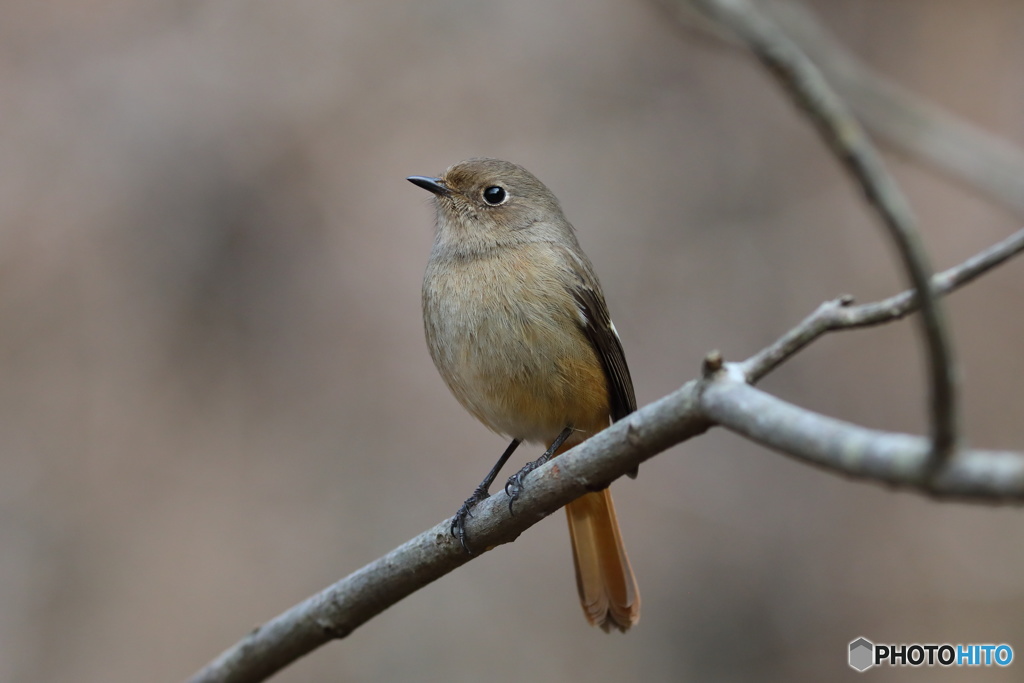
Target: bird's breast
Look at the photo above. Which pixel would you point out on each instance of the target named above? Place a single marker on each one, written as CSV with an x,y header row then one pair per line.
x,y
505,334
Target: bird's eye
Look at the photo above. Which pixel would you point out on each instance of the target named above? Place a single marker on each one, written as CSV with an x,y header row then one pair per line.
x,y
495,195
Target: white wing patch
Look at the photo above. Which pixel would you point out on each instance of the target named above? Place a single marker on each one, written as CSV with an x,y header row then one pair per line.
x,y
583,316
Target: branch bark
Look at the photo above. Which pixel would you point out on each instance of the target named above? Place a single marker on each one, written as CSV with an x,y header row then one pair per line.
x,y
841,447
338,610
907,122
806,86
721,397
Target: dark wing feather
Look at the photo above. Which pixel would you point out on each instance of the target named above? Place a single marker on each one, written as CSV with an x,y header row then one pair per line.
x,y
599,330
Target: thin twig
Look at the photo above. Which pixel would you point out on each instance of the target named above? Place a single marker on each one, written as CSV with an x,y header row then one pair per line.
x,y
839,314
907,121
837,125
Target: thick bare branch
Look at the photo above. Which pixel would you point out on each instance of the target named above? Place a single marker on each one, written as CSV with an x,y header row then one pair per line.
x,y
802,80
349,603
721,397
840,314
841,447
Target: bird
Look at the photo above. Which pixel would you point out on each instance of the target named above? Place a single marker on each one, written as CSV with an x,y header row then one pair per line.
x,y
517,325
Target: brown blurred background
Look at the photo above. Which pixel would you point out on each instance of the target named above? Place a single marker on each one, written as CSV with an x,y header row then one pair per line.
x,y
216,398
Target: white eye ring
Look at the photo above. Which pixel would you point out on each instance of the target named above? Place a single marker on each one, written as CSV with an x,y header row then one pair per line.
x,y
495,195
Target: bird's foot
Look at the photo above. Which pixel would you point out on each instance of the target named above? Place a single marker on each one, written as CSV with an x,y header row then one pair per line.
x,y
458,525
514,486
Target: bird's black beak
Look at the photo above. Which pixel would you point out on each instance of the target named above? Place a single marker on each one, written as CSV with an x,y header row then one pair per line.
x,y
435,185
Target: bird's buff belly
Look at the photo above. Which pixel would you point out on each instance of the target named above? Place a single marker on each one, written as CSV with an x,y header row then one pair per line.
x,y
533,399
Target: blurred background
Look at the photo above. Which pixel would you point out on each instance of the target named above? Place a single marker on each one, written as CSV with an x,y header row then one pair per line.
x,y
216,398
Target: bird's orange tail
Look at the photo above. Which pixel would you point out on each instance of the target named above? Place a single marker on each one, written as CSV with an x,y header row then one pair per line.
x,y
607,588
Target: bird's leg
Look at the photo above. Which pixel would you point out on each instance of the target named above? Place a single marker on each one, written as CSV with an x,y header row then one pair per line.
x,y
514,486
482,491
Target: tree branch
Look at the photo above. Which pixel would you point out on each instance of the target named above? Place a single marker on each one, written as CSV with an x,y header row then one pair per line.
x,y
802,80
721,397
338,610
844,448
906,121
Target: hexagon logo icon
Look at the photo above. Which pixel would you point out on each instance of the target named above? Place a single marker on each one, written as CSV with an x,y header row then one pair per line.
x,y
862,654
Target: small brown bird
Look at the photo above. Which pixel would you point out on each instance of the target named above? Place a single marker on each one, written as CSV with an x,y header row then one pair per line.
x,y
518,328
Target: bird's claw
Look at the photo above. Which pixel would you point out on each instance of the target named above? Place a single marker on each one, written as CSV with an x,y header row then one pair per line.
x,y
458,525
514,486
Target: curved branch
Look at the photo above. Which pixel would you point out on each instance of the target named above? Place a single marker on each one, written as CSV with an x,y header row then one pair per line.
x,y
340,609
840,129
907,121
844,448
949,143
722,397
